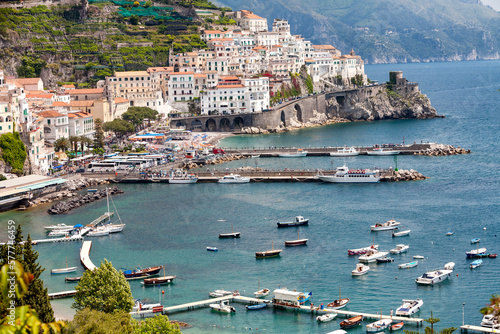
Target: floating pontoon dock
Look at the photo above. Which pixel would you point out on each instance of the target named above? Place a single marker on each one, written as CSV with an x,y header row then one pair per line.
x,y
102,218
62,294
85,256
467,328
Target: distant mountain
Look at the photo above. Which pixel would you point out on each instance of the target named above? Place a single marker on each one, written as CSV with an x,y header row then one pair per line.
x,y
388,31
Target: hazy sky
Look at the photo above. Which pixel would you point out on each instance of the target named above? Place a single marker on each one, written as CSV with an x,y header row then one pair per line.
x,y
493,3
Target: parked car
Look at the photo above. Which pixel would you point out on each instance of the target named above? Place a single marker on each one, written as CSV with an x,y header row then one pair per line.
x,y
80,170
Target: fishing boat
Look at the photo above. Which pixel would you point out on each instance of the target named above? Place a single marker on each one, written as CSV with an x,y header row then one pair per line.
x,y
73,279
449,233
475,240
304,298
397,326
492,256
361,269
476,263
475,252
64,270
409,307
408,265
338,303
401,233
378,326
372,256
351,322
140,273
212,249
326,317
361,251
434,276
158,280
233,178
222,307
58,227
256,307
401,248
299,221
261,293
270,253
182,177
388,225
346,175
298,242
220,293
345,152
382,152
300,153
385,259
230,235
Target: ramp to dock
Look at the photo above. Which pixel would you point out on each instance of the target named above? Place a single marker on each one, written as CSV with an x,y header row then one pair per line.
x,y
85,256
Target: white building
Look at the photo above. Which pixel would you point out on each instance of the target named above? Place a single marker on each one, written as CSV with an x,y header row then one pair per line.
x,y
55,125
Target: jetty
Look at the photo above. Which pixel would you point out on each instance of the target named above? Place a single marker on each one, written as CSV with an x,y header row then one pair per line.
x,y
76,237
85,256
250,300
62,294
102,218
467,328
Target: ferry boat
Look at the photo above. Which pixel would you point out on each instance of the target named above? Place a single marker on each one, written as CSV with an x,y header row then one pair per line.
x,y
388,225
382,152
372,256
345,152
234,178
409,307
346,175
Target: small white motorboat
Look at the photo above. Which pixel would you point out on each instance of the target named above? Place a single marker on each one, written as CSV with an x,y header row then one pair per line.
x,y
326,317
449,266
220,293
489,320
372,256
345,152
338,331
401,234
420,257
382,152
409,307
58,227
408,265
378,326
449,233
261,293
400,249
139,306
223,307
388,225
212,249
361,269
234,178
434,276
58,233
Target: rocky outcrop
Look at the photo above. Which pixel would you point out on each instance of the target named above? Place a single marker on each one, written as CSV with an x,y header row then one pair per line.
x,y
441,150
66,206
214,161
402,175
385,104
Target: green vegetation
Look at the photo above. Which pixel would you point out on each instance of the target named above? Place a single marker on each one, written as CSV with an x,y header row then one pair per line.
x,y
31,67
104,289
119,126
309,84
89,321
13,151
493,307
357,80
158,324
137,115
430,330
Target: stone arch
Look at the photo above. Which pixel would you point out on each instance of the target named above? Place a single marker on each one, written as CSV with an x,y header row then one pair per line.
x,y
224,124
238,123
299,113
1,119
8,119
283,117
196,125
180,124
210,125
47,129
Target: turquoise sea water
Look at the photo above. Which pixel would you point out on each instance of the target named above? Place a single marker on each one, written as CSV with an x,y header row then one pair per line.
x,y
173,224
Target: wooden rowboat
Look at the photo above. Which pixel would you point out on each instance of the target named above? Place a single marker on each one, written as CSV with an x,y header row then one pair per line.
x,y
351,322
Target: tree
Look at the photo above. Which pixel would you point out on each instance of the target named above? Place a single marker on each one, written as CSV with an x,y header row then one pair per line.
x,y
61,144
430,330
137,115
13,150
99,134
158,324
89,321
103,289
119,126
74,143
494,307
87,142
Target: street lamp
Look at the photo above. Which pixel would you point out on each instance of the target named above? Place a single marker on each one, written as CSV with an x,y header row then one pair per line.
x,y
463,314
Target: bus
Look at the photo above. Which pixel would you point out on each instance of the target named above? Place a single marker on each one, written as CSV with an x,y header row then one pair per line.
x,y
100,167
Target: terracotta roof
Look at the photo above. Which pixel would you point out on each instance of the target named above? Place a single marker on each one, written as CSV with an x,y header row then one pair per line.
x,y
87,103
82,114
50,113
229,77
27,81
131,73
121,100
87,91
182,73
259,48
212,32
60,104
324,47
39,96
72,115
230,86
68,86
249,15
200,75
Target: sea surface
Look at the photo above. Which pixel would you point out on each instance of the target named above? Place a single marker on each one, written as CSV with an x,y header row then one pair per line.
x,y
172,225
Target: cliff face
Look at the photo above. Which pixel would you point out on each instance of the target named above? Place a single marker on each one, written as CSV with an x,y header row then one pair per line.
x,y
384,105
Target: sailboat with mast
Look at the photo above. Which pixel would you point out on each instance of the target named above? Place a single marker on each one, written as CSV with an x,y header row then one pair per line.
x,y
261,292
230,235
100,228
338,303
270,253
63,270
298,242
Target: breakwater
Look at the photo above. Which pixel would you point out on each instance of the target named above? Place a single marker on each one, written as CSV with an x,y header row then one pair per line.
x,y
66,206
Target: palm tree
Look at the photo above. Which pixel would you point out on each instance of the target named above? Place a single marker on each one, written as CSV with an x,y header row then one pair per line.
x,y
87,141
493,307
74,143
81,140
61,144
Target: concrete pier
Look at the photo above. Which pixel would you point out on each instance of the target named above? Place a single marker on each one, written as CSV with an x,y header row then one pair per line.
x,y
85,256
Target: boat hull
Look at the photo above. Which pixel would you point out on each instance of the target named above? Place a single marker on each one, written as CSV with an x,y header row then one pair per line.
x,y
436,277
229,235
382,153
301,242
182,181
293,155
401,234
408,265
63,270
290,224
246,180
409,307
158,280
256,307
338,304
351,322
142,273
266,254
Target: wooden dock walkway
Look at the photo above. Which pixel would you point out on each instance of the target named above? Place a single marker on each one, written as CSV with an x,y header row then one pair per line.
x,y
250,300
102,218
85,256
467,328
63,239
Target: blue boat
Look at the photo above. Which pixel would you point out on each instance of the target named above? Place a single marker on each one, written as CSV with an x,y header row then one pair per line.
x,y
474,241
256,306
304,299
476,263
212,249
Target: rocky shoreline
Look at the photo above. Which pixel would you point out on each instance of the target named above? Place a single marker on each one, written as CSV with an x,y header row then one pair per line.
x,y
443,150
66,206
403,175
214,161
319,120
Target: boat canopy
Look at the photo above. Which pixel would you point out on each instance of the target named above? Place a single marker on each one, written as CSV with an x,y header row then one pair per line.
x,y
284,294
78,226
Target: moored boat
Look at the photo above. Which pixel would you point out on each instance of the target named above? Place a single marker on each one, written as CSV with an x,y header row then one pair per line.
x,y
140,306
270,253
361,251
326,317
475,252
385,259
492,256
223,307
158,280
372,256
182,177
233,178
361,269
449,233
220,293
230,235
401,248
434,276
420,257
261,293
298,242
59,233
63,270
212,249
299,221
351,322
58,227
397,326
475,240
409,307
408,265
256,306
346,175
489,320
300,153
388,225
345,152
382,152
140,273
401,233
98,232
476,263
378,326
338,303
73,279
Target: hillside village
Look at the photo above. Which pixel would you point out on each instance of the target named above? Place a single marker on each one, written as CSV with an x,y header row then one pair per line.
x,y
245,69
